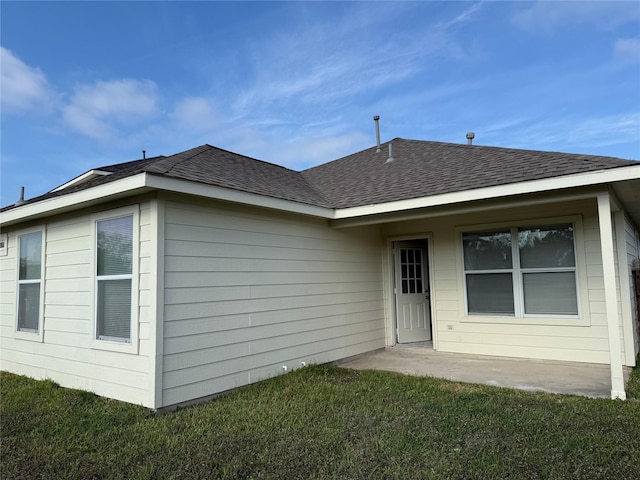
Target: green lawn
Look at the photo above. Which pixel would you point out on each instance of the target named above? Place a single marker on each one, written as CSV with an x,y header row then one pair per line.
x,y
321,422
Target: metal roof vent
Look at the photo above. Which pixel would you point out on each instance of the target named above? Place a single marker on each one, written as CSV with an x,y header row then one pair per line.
x,y
376,118
21,201
390,159
470,137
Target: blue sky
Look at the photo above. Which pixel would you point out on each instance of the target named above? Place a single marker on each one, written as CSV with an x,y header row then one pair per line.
x,y
86,84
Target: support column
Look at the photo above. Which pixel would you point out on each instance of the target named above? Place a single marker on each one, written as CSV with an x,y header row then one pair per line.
x,y
610,295
619,223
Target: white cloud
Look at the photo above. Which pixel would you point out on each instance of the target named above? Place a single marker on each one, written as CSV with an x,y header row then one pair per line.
x,y
572,134
195,113
628,48
340,58
24,88
306,152
547,16
467,15
96,110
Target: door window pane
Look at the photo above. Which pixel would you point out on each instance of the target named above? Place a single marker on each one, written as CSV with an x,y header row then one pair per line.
x,y
546,247
550,293
411,270
490,293
487,251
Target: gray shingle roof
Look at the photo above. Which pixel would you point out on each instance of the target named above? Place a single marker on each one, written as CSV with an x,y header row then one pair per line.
x,y
423,168
420,169
214,166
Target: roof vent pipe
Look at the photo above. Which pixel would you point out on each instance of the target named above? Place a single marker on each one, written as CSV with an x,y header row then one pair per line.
x,y
376,118
390,159
470,137
21,201
144,154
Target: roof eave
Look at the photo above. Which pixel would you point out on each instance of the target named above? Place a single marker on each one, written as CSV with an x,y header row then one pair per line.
x,y
599,177
75,200
144,182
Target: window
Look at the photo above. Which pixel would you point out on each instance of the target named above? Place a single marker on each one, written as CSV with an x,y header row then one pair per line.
x,y
526,271
114,275
29,280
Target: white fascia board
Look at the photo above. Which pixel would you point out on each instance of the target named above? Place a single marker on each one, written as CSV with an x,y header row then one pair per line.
x,y
237,196
82,178
467,208
145,182
533,186
75,200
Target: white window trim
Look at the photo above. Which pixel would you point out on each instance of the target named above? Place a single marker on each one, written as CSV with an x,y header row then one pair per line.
x,y
117,345
27,334
520,318
4,244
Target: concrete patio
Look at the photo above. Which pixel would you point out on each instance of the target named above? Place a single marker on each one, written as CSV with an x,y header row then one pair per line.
x,y
586,379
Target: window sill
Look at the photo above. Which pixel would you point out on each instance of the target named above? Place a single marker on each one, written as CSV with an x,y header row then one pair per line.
x,y
29,336
529,320
114,346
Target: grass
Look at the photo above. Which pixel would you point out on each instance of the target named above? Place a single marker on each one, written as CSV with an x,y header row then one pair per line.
x,y
633,386
321,422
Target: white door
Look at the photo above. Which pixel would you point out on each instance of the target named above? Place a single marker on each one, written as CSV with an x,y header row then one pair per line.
x,y
413,307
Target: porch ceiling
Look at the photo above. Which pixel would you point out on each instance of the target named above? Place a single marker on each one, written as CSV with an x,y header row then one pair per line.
x,y
628,192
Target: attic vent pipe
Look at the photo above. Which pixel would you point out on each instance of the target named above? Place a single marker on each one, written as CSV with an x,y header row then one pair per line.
x,y
470,137
390,159
376,118
144,154
21,201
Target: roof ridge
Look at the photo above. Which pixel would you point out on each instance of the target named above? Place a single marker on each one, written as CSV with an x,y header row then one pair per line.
x,y
252,158
122,165
166,164
522,150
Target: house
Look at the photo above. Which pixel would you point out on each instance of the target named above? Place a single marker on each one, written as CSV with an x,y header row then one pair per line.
x,y
170,279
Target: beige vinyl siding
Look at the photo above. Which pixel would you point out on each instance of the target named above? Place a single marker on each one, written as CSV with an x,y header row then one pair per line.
x,y
585,339
8,285
632,260
248,291
67,354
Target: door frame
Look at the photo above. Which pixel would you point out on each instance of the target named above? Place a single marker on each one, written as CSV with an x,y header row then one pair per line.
x,y
392,320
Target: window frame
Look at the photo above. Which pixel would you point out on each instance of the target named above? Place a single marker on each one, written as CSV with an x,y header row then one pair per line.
x,y
519,316
4,244
28,334
114,343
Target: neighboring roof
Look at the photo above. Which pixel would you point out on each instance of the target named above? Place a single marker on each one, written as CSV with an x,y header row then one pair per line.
x,y
420,169
423,168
